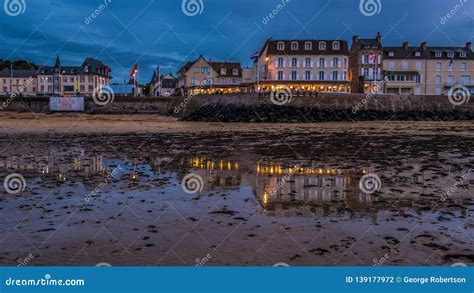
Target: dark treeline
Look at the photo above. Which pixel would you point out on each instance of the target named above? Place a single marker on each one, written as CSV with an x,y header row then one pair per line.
x,y
17,65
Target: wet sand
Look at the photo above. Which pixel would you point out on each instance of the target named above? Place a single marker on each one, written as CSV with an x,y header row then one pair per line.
x,y
320,216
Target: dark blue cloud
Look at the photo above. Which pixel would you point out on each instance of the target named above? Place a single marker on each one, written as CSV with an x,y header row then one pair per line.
x,y
151,32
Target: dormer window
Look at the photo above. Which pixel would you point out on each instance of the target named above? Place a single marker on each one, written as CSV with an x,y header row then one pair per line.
x,y
322,46
462,54
336,46
308,46
281,46
417,54
235,71
391,54
450,54
438,54
223,71
294,46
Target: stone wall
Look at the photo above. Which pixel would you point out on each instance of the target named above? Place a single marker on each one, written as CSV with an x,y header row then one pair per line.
x,y
180,106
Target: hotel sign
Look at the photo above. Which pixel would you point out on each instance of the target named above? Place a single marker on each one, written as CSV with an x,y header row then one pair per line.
x,y
63,104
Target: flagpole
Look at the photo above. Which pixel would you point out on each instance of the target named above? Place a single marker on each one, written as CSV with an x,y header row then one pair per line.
x,y
11,78
258,73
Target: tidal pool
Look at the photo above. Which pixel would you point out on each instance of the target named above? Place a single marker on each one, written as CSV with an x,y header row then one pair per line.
x,y
260,198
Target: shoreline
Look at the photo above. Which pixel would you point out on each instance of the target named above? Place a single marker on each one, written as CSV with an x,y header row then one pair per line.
x,y
44,124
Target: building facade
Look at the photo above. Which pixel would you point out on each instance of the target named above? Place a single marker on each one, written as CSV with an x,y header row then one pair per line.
x,y
303,65
424,70
208,77
366,65
84,80
163,86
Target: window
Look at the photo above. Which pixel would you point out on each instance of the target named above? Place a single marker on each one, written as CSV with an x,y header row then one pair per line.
x,y
405,65
418,79
91,88
294,46
294,75
335,62
281,46
222,80
307,75
366,72
204,69
322,46
321,62
280,75
450,54
462,54
417,54
334,75
418,65
391,54
450,79
463,66
223,71
71,79
438,78
91,79
344,75
438,54
438,91
294,62
439,66
307,62
321,75
193,81
280,62
64,79
308,46
391,65
336,46
366,59
451,64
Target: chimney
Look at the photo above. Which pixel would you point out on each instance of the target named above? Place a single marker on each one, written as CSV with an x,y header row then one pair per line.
x,y
405,46
469,45
378,37
355,39
423,46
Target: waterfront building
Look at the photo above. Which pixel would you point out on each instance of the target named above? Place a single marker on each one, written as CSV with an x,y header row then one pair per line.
x,y
366,65
22,82
203,76
424,70
58,80
303,65
163,86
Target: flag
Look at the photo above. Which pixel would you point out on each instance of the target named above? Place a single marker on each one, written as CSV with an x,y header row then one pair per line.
x,y
451,62
373,57
254,55
134,71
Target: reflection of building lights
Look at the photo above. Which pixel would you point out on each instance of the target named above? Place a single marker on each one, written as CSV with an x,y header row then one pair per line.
x,y
265,198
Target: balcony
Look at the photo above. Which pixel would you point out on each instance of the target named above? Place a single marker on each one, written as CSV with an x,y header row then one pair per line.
x,y
462,83
374,77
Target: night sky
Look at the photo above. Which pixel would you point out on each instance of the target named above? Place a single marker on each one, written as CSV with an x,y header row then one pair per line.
x,y
151,32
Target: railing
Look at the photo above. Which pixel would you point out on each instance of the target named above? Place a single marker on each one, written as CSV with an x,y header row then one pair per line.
x,y
464,82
